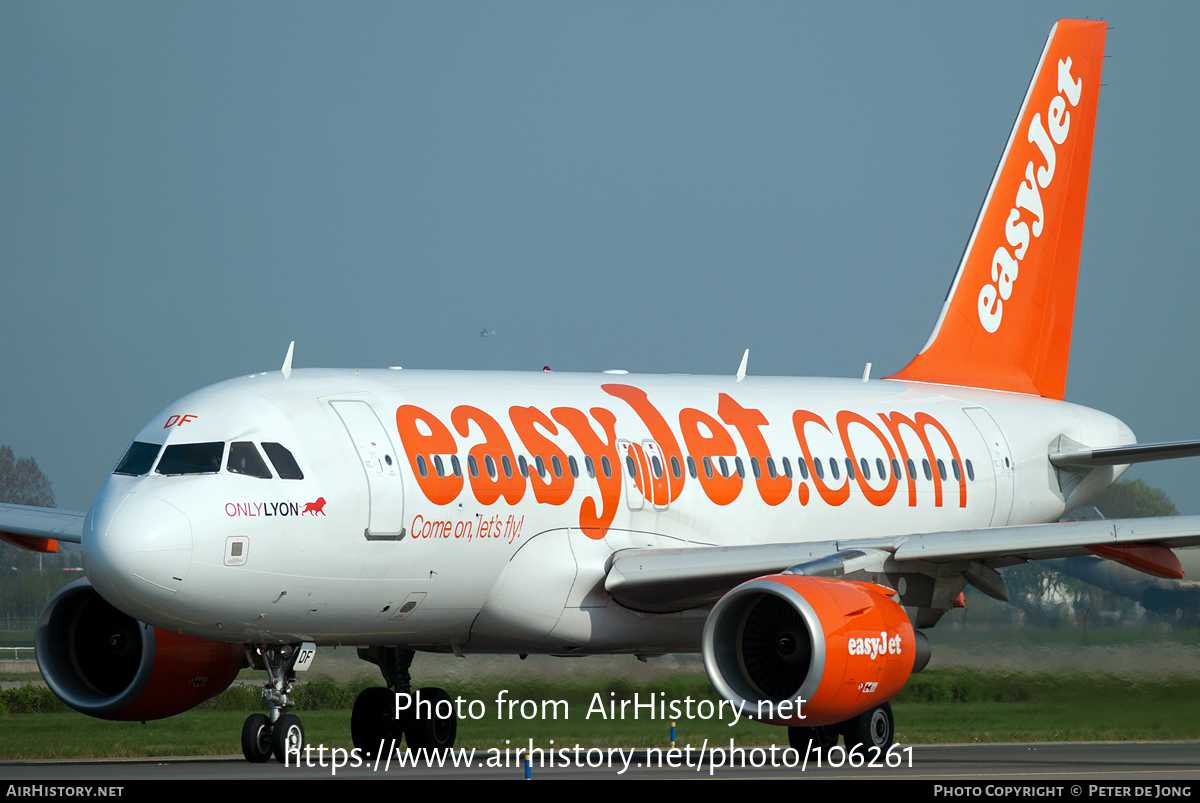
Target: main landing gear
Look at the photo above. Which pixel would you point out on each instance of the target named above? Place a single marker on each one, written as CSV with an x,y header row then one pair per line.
x,y
277,733
428,720
874,727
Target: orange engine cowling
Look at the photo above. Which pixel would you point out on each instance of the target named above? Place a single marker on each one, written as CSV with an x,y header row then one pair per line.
x,y
841,647
106,664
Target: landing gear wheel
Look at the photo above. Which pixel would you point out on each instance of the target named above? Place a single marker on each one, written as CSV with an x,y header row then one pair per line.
x,y
256,738
872,728
373,721
824,737
287,739
436,732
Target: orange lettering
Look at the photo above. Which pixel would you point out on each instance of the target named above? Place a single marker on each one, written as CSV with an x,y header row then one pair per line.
x,y
660,431
881,497
595,522
923,420
773,490
832,496
496,448
720,489
439,490
556,486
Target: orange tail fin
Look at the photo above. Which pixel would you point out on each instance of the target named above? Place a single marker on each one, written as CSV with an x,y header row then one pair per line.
x,y
1006,323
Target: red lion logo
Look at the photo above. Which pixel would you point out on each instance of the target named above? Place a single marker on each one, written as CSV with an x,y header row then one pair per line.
x,y
315,507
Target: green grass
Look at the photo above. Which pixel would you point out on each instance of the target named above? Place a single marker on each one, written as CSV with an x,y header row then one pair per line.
x,y
958,705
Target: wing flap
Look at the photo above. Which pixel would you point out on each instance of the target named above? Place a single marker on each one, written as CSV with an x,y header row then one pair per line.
x,y
1039,541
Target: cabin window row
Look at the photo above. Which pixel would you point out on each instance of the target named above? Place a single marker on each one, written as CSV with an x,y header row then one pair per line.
x,y
722,466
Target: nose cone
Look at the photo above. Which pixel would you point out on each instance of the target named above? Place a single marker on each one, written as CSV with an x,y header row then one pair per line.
x,y
137,549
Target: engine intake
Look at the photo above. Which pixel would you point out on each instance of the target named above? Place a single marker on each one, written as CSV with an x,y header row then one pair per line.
x,y
106,664
840,646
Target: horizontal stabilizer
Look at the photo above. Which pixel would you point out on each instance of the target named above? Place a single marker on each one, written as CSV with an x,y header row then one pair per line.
x,y
1077,459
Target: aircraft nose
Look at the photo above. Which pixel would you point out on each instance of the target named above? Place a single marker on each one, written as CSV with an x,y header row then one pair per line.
x,y
137,550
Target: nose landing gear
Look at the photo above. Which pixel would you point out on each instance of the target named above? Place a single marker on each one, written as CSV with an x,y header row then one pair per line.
x,y
277,733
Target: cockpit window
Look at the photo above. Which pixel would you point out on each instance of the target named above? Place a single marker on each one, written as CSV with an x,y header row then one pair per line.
x,y
191,458
244,459
138,459
285,465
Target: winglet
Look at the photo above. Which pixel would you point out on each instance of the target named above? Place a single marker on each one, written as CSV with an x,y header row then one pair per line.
x,y
1006,322
287,361
741,374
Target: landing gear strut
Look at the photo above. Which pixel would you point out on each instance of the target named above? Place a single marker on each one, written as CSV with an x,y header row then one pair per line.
x,y
277,733
424,722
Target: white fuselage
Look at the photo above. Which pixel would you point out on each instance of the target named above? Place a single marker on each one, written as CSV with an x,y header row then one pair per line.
x,y
321,558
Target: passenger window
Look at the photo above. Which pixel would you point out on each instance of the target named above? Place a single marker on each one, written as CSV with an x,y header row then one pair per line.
x,y
675,468
421,467
724,467
754,467
833,469
138,459
708,468
556,464
925,468
787,468
771,468
438,466
970,471
957,471
244,459
285,465
656,465
632,466
191,458
506,464
802,464
849,468
541,466
866,468
941,470
490,465
590,466
691,467
880,469
818,469
741,470
523,465
457,466
472,466
606,465
573,465
912,469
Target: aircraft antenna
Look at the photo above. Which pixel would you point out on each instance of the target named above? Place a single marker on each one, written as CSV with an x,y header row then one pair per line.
x,y
741,374
287,361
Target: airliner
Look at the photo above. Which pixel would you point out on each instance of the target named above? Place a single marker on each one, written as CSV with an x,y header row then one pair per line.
x,y
799,533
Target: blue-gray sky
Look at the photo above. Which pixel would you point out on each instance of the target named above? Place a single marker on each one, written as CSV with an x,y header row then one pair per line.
x,y
650,186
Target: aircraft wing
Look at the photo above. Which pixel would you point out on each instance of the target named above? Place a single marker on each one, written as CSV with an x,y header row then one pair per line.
x,y
661,580
40,528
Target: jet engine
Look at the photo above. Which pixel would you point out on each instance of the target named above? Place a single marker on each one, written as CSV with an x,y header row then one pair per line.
x,y
106,664
842,647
